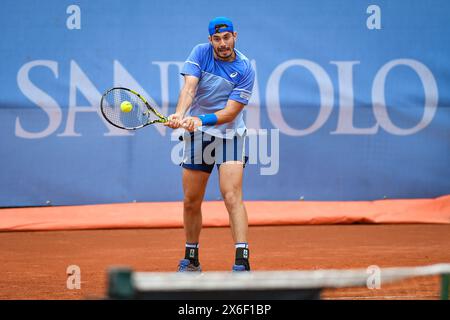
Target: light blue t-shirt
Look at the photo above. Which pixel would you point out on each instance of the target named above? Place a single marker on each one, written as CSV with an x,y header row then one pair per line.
x,y
219,81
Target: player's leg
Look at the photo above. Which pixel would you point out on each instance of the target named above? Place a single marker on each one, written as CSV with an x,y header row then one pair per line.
x,y
230,179
195,179
194,186
230,176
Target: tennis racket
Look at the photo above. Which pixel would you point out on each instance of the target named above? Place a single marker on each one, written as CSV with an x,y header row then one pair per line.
x,y
141,114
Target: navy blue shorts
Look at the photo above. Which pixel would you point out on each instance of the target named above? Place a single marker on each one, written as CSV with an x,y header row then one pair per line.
x,y
202,151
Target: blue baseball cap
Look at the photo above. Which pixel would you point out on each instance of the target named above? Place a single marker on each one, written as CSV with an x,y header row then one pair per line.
x,y
220,24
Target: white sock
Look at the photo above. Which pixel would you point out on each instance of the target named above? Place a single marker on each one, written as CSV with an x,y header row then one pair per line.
x,y
241,245
192,245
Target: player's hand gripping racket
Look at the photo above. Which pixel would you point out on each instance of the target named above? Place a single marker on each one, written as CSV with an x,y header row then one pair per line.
x,y
127,109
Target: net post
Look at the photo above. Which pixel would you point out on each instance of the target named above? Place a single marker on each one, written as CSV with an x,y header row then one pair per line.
x,y
445,284
120,285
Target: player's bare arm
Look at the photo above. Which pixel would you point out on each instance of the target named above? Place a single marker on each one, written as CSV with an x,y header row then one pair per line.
x,y
184,102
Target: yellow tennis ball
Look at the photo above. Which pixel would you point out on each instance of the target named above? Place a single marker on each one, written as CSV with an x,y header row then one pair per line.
x,y
126,106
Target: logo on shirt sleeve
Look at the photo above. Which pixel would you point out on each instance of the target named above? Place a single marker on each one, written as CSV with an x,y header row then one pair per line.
x,y
234,74
245,95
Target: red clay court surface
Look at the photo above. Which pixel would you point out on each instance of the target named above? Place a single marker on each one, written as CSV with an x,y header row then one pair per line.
x,y
34,263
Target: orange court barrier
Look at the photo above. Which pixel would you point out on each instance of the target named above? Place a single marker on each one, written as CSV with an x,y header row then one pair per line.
x,y
169,214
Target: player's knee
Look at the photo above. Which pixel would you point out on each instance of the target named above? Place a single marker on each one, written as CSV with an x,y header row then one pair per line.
x,y
192,205
231,198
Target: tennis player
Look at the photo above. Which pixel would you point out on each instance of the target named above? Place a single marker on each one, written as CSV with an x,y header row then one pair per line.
x,y
218,82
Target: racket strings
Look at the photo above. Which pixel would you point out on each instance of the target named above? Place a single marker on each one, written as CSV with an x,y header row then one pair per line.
x,y
137,117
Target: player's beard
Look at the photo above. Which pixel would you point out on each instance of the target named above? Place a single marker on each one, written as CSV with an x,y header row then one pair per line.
x,y
224,54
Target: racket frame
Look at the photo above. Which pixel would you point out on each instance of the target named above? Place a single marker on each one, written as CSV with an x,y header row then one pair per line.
x,y
161,118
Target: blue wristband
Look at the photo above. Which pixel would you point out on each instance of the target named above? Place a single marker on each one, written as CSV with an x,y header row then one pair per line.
x,y
209,119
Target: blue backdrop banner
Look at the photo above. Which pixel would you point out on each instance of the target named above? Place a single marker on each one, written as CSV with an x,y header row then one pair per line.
x,y
351,100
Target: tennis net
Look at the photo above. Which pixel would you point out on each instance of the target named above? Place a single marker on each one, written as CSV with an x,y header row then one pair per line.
x,y
425,282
